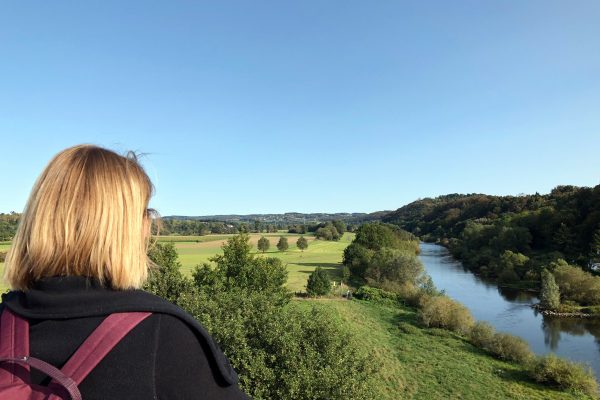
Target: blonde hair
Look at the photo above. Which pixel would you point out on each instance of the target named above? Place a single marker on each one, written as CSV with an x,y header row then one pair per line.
x,y
87,215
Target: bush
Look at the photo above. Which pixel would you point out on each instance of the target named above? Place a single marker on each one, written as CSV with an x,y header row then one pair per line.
x,y
318,283
481,335
2,256
509,347
377,295
564,374
443,312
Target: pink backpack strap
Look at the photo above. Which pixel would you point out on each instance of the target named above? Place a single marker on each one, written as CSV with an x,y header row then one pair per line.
x,y
100,343
14,343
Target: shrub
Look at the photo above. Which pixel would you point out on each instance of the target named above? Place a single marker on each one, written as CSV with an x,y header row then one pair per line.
x,y
318,283
564,374
576,284
376,295
2,256
443,312
481,335
509,347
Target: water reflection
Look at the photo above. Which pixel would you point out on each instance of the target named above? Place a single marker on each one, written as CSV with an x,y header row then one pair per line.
x,y
509,310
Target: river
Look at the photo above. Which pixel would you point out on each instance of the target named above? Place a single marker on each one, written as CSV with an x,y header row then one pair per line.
x,y
509,310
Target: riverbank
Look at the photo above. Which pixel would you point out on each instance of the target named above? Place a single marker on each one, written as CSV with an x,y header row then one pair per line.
x,y
510,310
421,363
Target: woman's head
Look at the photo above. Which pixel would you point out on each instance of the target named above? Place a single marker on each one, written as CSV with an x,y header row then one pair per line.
x,y
87,215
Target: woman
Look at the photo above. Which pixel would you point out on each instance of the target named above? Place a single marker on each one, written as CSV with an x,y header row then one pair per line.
x,y
79,255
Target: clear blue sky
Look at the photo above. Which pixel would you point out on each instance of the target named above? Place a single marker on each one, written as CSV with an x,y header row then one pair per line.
x,y
259,107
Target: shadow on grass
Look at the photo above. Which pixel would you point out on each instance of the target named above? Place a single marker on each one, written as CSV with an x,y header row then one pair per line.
x,y
322,265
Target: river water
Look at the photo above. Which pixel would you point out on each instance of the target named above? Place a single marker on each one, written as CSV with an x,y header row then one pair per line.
x,y
508,310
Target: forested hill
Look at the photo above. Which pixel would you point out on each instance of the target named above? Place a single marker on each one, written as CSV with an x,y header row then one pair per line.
x,y
479,228
285,218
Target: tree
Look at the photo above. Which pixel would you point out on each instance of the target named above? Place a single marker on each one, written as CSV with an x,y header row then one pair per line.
x,y
550,294
302,243
318,283
595,245
345,274
282,245
263,244
166,279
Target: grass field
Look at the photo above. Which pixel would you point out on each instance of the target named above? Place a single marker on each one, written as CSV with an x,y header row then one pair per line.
x,y
431,363
328,255
194,250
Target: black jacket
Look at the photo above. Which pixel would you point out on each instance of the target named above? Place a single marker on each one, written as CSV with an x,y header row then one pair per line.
x,y
167,356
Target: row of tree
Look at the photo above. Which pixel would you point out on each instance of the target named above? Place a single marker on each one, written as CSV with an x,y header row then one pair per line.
x,y
282,245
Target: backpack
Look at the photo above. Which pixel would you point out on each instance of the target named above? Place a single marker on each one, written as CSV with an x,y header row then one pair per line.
x,y
15,362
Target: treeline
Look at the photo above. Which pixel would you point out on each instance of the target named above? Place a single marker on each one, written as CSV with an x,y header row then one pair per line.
x,y
384,257
331,230
511,238
8,225
188,227
281,349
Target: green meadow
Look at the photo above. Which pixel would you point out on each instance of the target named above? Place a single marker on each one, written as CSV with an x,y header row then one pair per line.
x,y
428,363
195,250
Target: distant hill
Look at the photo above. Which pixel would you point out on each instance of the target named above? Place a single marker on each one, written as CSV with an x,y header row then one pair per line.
x,y
286,218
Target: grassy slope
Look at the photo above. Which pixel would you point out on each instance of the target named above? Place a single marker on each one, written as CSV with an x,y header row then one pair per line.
x,y
432,364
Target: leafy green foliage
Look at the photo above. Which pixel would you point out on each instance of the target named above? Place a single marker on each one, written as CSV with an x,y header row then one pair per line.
x,y
550,293
538,229
575,284
509,347
330,230
281,351
384,256
345,274
282,244
564,374
378,295
481,334
443,312
302,243
263,244
165,279
318,283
